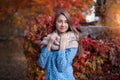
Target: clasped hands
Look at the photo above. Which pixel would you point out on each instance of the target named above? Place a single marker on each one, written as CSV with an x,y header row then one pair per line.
x,y
64,40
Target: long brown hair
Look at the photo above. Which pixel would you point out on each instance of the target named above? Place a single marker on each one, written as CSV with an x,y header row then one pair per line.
x,y
71,26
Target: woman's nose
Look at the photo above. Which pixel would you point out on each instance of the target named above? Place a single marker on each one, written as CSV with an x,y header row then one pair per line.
x,y
63,23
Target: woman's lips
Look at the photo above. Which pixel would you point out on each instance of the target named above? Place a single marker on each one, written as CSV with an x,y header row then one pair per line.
x,y
61,28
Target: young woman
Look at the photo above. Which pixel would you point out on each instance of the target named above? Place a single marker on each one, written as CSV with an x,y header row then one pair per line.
x,y
59,48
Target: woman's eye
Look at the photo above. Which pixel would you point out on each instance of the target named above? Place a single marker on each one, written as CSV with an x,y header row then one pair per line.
x,y
62,21
66,21
59,20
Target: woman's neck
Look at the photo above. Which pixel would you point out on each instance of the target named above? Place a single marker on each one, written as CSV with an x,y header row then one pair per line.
x,y
62,33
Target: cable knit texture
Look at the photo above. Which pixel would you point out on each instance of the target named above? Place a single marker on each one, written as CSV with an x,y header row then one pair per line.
x,y
58,63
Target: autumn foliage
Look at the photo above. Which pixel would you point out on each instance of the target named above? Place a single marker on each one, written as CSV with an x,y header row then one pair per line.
x,y
101,59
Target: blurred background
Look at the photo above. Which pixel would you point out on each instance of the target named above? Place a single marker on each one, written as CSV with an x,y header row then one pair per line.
x,y
24,23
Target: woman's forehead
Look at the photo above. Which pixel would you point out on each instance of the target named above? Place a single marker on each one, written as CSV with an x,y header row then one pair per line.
x,y
62,17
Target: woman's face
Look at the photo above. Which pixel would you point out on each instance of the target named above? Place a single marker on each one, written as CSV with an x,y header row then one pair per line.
x,y
62,24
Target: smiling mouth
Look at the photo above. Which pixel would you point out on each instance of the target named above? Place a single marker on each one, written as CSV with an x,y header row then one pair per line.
x,y
62,28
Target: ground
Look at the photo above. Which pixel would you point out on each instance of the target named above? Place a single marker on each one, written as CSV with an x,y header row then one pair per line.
x,y
13,64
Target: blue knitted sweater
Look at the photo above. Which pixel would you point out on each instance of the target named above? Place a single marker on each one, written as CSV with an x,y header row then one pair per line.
x,y
58,63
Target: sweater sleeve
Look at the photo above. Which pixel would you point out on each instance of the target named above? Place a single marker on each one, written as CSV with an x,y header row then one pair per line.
x,y
42,61
64,58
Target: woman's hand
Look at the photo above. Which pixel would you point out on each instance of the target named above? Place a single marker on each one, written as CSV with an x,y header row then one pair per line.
x,y
51,40
64,41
